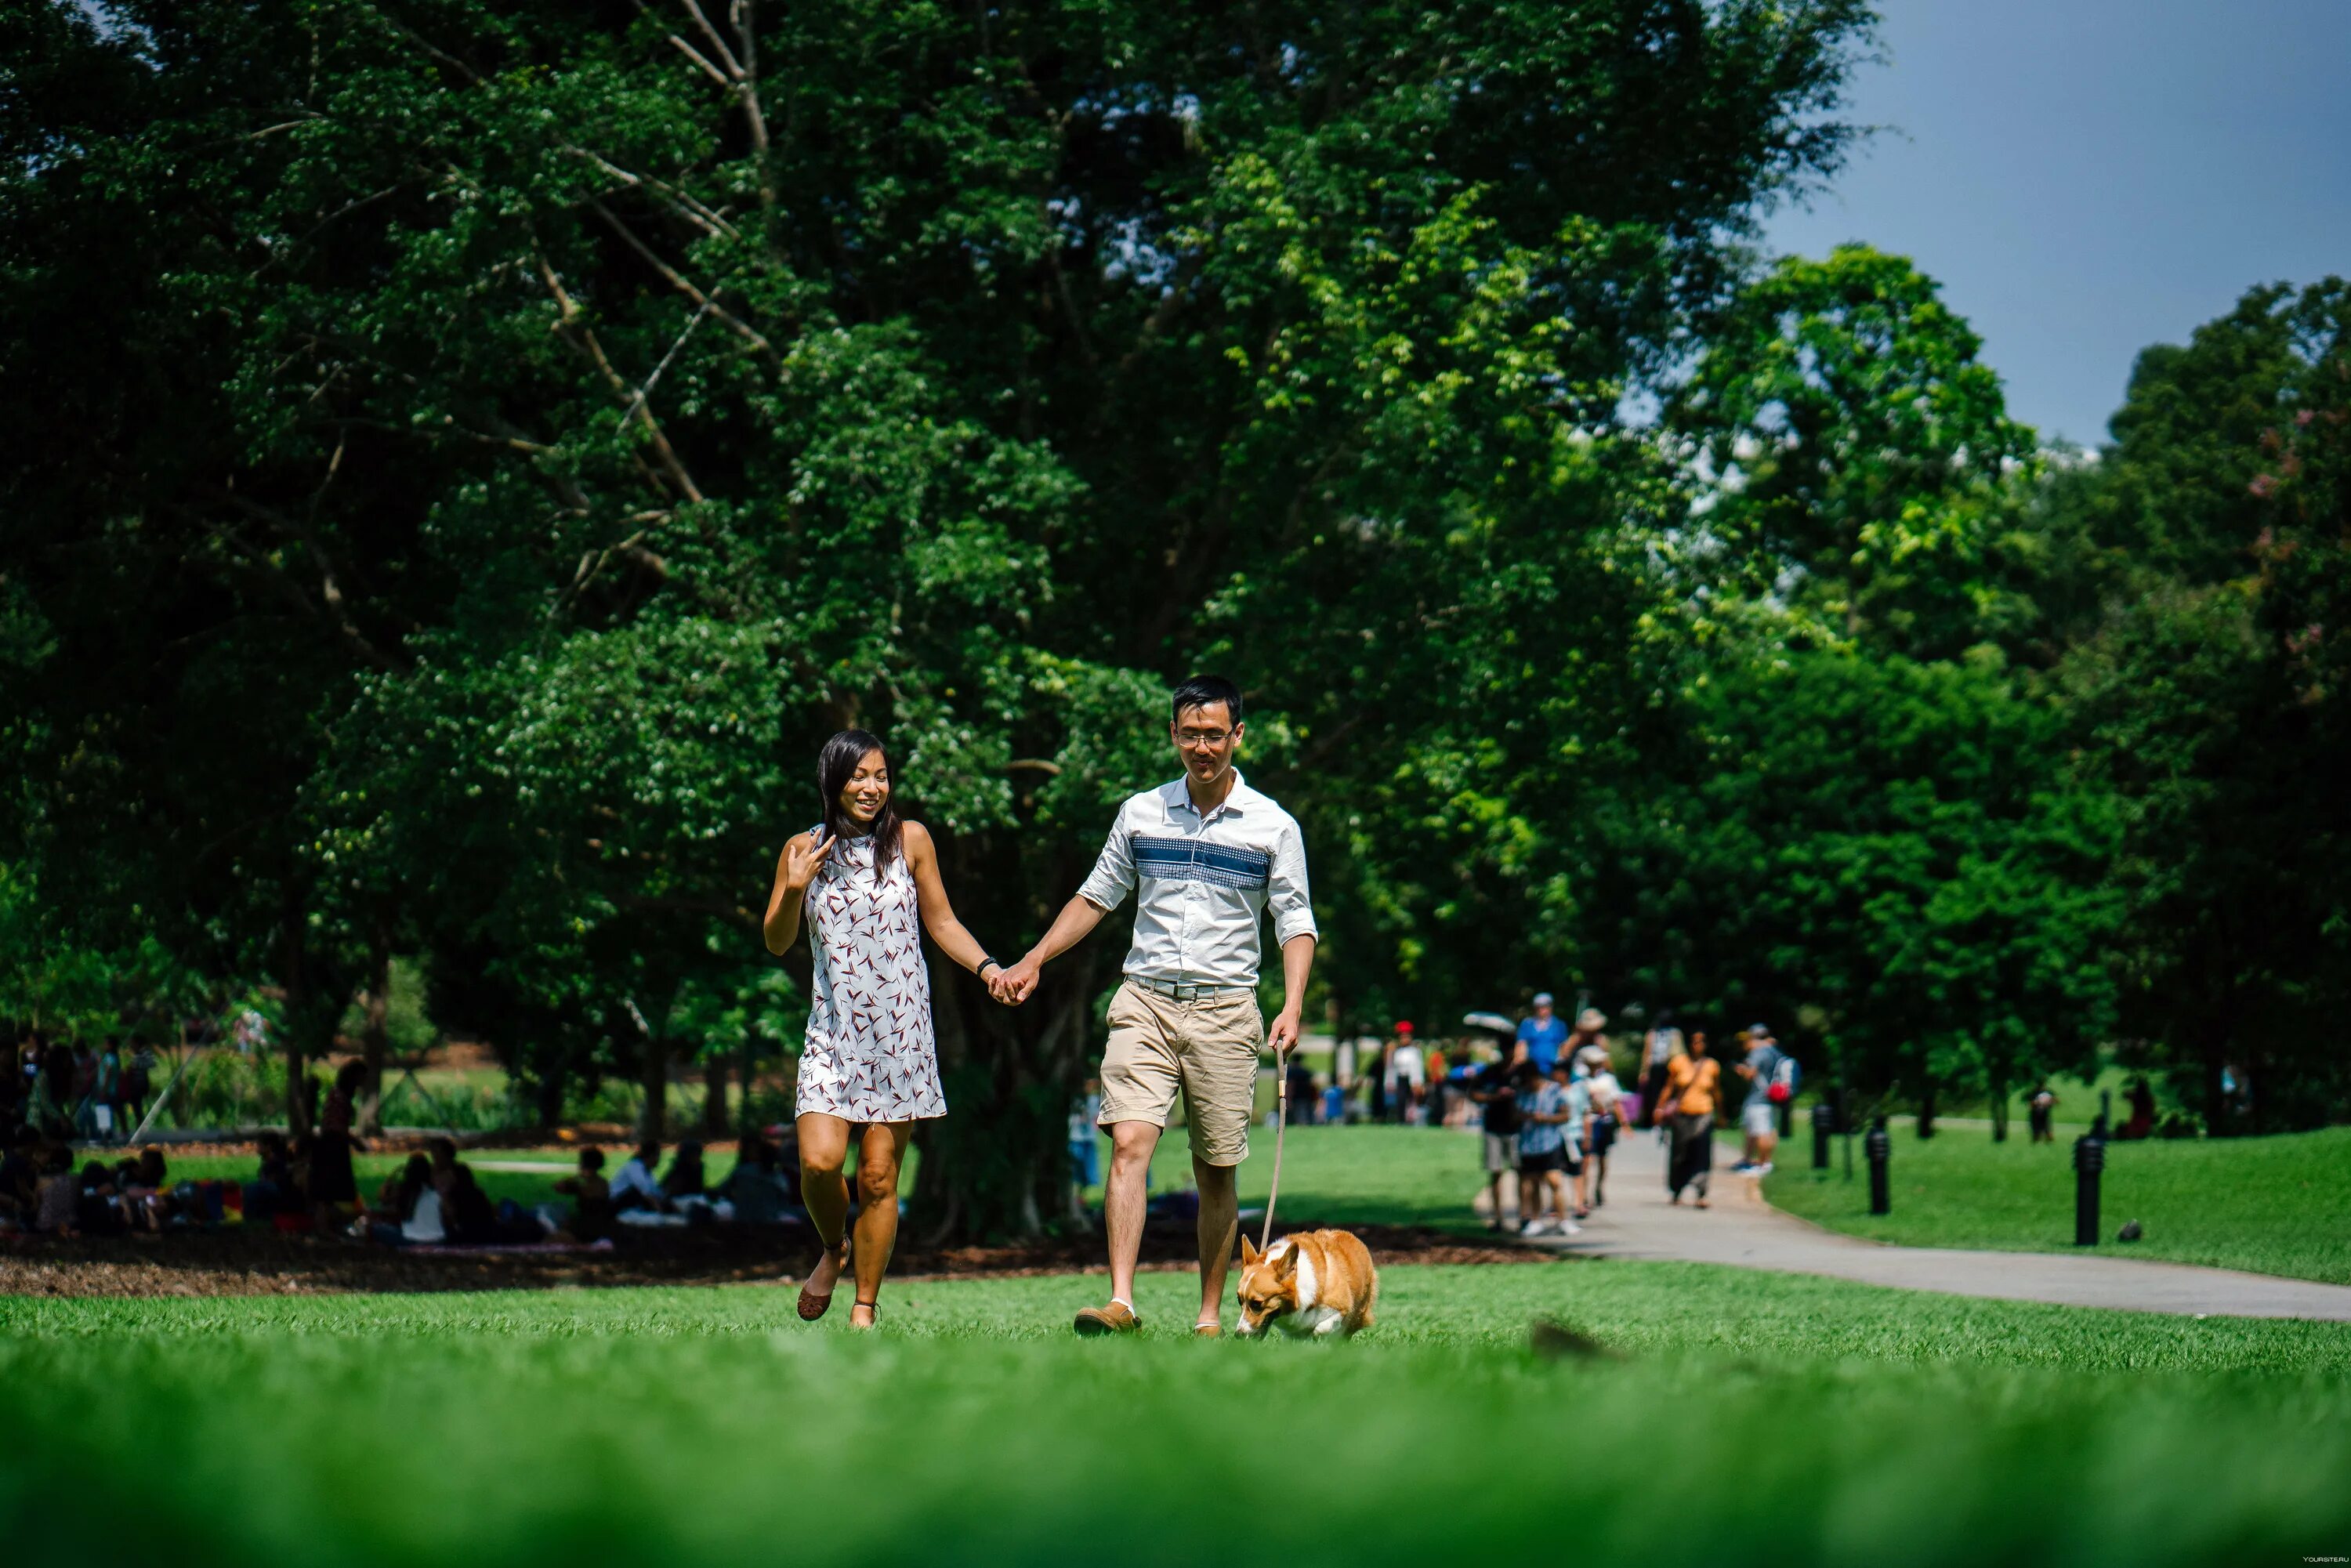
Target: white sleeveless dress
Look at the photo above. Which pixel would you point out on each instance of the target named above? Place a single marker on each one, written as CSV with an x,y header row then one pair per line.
x,y
871,1055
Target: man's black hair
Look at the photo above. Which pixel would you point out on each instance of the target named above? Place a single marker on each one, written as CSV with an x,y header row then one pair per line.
x,y
1206,691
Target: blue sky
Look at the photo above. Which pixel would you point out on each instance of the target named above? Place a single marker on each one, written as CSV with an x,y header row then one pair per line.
x,y
2086,177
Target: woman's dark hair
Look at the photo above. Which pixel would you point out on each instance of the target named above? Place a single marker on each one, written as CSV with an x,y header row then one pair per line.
x,y
834,764
414,1178
1206,691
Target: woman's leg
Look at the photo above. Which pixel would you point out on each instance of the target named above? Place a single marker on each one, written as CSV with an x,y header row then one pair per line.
x,y
824,1147
883,1145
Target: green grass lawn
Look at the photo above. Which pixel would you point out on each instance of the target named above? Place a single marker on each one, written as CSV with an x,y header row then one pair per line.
x,y
1828,1422
2275,1206
1375,1175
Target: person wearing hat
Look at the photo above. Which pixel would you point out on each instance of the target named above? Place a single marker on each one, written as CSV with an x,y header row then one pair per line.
x,y
1587,1035
1543,1033
1408,1073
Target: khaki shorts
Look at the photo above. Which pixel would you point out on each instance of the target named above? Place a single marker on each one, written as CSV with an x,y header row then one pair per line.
x,y
1208,1048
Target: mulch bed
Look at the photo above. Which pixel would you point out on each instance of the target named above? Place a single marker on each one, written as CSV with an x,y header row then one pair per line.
x,y
231,1263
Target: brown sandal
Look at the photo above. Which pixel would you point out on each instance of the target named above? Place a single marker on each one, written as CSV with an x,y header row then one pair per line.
x,y
813,1306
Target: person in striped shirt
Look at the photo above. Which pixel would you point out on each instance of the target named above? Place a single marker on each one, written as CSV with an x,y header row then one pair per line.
x,y
1208,859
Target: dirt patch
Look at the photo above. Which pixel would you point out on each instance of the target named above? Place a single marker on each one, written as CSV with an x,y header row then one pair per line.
x,y
232,1263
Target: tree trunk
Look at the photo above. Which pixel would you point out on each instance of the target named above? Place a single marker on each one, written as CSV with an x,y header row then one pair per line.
x,y
1999,1109
1927,1113
714,1097
999,1163
652,1085
376,1003
297,1006
746,1069
550,1097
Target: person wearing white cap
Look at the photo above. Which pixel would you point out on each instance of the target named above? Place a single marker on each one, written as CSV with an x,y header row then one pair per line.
x,y
1543,1033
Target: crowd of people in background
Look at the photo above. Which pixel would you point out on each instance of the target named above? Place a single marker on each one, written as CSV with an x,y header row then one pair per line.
x,y
1544,1095
79,1092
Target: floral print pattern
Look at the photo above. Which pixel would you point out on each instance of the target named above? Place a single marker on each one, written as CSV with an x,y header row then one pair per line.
x,y
872,1053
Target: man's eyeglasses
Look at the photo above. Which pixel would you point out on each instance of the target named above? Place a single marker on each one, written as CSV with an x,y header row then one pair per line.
x,y
1202,736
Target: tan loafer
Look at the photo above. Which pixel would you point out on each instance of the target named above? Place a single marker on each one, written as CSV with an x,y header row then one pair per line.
x,y
1116,1318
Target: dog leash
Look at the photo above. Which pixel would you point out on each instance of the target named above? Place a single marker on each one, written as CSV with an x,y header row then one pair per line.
x,y
1281,1125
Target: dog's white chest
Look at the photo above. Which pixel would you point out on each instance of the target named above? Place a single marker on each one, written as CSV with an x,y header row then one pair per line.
x,y
1313,1321
1312,1317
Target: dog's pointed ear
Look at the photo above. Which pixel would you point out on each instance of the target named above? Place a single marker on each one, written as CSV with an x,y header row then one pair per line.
x,y
1287,1268
1248,1252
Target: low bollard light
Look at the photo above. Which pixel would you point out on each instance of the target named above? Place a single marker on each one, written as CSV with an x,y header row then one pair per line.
x,y
2089,1163
1879,1148
1823,1125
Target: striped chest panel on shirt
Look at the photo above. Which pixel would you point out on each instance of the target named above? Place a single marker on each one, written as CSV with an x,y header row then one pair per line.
x,y
1191,860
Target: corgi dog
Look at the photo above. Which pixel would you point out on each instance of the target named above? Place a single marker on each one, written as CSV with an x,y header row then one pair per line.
x,y
1318,1282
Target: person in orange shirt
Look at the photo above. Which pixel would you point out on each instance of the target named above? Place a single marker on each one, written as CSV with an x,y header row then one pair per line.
x,y
1689,1100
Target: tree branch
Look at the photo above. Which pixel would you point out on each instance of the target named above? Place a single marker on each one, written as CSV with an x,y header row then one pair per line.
x,y
725,55
693,210
584,338
333,616
707,301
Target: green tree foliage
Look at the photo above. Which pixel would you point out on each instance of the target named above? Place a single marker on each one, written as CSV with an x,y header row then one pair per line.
x,y
2209,698
530,428
1859,454
1882,856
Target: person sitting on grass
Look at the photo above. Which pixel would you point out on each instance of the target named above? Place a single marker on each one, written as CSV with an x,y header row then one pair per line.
x,y
268,1193
635,1187
591,1216
396,1200
144,1192
684,1182
60,1211
413,1217
466,1212
103,1210
754,1192
20,1178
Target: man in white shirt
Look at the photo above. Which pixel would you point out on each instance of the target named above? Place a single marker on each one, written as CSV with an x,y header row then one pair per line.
x,y
635,1187
1206,857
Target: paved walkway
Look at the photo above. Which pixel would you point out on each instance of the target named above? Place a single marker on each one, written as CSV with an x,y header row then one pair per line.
x,y
1743,1230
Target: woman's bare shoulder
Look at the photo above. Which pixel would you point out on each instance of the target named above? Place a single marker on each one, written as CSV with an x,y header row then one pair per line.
x,y
917,837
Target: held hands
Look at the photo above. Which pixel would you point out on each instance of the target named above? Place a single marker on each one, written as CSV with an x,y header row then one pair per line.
x,y
802,857
1012,986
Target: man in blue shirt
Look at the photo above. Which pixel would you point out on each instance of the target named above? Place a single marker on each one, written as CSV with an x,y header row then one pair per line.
x,y
1542,1034
1757,1114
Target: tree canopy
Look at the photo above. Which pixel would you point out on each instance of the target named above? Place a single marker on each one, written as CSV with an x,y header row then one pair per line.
x,y
468,456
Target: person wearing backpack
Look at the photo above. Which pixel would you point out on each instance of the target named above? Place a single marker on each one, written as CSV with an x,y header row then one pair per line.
x,y
1770,1075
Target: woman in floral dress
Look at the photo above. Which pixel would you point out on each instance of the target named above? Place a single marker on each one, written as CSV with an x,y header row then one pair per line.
x,y
869,884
